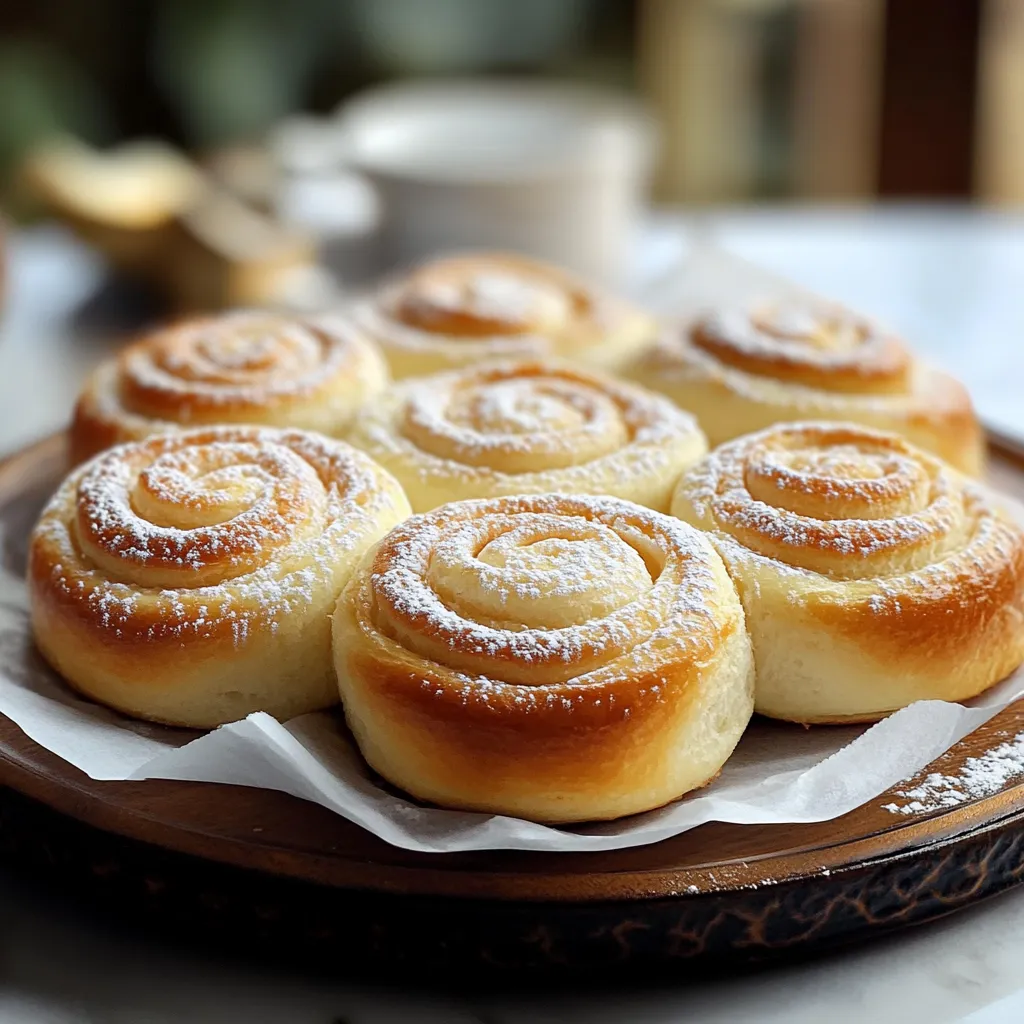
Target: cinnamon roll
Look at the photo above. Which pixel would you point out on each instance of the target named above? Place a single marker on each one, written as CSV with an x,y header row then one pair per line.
x,y
190,578
557,658
241,367
457,311
743,371
872,574
527,428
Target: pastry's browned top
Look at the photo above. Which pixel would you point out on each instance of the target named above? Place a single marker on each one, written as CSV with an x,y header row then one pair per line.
x,y
482,295
494,305
885,543
533,416
828,349
211,530
837,499
549,605
221,366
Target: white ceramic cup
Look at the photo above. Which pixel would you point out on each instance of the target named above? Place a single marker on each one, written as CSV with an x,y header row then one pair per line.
x,y
552,170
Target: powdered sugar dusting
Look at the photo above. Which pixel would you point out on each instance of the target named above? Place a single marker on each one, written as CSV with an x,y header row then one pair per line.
x,y
522,309
979,777
828,348
239,358
904,503
244,366
514,301
278,491
815,337
671,588
146,581
504,425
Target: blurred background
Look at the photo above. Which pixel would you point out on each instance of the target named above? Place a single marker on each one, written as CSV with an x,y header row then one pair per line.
x,y
277,142
159,157
822,99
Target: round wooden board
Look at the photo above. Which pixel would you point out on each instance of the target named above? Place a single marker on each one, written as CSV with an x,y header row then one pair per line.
x,y
270,871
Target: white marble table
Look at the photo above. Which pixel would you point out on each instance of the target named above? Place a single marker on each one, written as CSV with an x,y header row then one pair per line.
x,y
952,281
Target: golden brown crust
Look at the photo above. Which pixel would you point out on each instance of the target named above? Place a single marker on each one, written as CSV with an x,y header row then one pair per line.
x,y
456,311
740,372
872,574
835,351
241,367
527,428
189,578
559,658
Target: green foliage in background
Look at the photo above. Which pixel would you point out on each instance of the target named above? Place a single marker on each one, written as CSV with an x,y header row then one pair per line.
x,y
234,67
41,93
212,72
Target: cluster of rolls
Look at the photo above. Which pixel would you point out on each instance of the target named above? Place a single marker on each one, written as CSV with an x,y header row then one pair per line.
x,y
478,507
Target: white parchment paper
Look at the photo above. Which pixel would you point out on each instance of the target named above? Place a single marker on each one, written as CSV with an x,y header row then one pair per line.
x,y
779,773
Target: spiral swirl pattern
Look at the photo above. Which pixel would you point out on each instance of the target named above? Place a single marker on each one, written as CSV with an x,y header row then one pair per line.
x,y
242,367
739,372
527,428
872,573
829,349
457,311
558,657
170,577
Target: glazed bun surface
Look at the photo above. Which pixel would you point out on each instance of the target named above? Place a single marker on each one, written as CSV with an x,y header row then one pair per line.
x,y
741,371
459,310
528,428
873,574
243,367
556,658
190,578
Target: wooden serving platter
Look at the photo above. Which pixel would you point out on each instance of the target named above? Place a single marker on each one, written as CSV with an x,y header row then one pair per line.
x,y
266,871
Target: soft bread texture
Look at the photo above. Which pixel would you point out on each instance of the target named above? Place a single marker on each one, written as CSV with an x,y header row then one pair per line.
x,y
190,578
242,367
873,575
460,310
739,372
528,428
556,658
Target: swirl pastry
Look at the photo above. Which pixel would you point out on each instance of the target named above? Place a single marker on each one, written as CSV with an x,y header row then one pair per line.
x,y
557,658
242,367
457,311
528,428
872,574
190,578
740,372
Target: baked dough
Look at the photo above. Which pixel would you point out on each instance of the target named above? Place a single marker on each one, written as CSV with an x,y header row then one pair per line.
x,y
739,371
872,573
552,657
242,367
527,428
190,578
459,310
